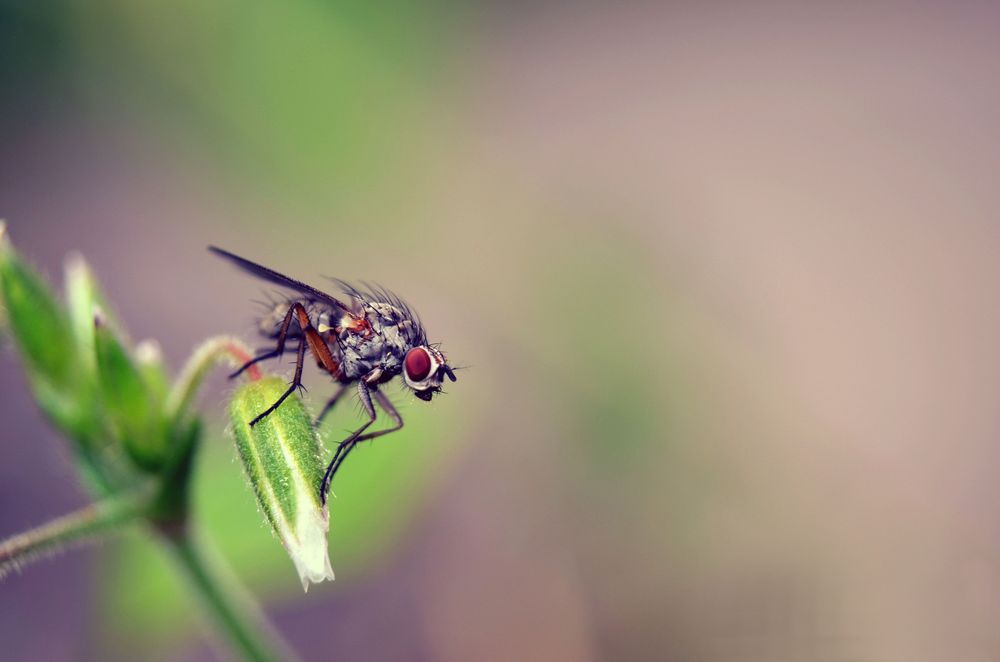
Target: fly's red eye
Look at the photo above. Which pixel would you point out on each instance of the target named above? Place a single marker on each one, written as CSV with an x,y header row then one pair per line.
x,y
417,364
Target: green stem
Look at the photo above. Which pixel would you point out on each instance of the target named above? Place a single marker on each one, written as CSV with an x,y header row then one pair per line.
x,y
232,609
89,523
212,352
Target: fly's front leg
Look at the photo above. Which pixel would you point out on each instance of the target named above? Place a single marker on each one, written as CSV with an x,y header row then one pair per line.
x,y
344,447
339,457
388,408
296,383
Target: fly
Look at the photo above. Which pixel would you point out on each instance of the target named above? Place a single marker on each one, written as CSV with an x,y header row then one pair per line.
x,y
364,341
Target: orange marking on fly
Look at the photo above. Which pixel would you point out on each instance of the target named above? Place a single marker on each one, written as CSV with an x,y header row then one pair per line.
x,y
353,324
318,346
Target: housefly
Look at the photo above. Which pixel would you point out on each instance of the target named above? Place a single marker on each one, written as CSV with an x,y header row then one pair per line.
x,y
364,340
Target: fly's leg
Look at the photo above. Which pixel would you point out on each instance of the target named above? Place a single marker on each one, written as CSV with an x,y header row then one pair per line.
x,y
310,338
278,351
388,408
330,404
352,442
296,383
279,348
344,447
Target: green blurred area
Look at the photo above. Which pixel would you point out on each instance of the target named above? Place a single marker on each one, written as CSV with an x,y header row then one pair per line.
x,y
310,101
375,500
298,101
578,369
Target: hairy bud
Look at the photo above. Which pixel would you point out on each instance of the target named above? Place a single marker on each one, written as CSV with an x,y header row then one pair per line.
x,y
281,456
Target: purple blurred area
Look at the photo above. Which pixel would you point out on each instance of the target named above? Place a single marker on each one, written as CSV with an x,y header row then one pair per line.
x,y
725,276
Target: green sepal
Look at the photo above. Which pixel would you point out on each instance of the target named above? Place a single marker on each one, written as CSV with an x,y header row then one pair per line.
x,y
170,508
131,406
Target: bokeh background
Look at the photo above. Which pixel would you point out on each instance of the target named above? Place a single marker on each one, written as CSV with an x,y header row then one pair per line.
x,y
724,275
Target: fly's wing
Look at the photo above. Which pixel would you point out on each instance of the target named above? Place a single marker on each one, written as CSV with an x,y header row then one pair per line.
x,y
272,276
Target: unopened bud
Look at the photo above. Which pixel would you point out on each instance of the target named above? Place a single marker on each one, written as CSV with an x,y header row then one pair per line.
x,y
281,456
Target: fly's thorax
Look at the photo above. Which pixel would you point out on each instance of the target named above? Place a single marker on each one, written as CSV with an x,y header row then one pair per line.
x,y
360,358
382,343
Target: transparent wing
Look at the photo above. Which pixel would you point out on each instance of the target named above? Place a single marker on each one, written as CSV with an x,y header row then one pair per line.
x,y
274,277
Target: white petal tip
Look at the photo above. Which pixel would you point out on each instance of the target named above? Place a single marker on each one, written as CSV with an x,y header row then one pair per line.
x,y
148,351
313,573
309,550
311,577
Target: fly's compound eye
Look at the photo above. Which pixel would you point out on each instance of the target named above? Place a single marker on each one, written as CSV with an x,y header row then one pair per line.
x,y
422,370
417,364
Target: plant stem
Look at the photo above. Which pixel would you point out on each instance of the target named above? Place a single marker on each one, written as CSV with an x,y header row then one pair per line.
x,y
86,524
232,609
212,352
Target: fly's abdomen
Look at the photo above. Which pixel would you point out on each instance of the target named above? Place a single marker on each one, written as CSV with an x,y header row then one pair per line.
x,y
271,321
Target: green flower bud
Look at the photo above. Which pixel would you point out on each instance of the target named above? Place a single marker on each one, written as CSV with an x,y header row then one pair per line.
x,y
46,343
84,302
149,359
281,456
38,323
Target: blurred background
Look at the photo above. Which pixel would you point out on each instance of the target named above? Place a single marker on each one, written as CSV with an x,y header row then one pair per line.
x,y
724,274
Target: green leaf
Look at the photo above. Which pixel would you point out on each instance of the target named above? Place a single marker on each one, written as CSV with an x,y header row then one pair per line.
x,y
281,457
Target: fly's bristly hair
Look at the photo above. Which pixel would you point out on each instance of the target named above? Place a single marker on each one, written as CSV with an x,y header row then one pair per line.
x,y
373,293
270,300
359,409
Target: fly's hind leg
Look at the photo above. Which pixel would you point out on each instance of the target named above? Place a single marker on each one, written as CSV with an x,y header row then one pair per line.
x,y
279,348
310,338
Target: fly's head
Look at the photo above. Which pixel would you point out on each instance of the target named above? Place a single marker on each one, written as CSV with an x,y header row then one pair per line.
x,y
424,369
